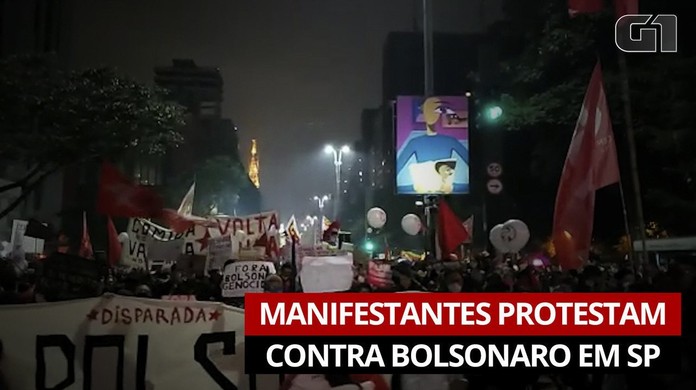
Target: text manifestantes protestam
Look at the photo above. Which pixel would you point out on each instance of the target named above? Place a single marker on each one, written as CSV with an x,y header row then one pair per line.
x,y
463,313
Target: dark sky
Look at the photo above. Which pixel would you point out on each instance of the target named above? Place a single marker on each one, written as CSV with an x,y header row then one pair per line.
x,y
297,72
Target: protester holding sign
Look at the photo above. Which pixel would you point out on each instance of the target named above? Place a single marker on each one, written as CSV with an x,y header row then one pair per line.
x,y
242,277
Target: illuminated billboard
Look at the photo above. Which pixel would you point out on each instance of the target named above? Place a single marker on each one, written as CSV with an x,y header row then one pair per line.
x,y
432,145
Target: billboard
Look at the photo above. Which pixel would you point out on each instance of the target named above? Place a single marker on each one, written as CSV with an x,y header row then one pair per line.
x,y
432,145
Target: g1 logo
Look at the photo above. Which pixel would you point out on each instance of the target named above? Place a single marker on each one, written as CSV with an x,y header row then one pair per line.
x,y
646,33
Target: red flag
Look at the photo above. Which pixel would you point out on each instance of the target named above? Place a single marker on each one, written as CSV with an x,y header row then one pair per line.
x,y
85,244
451,230
591,164
585,6
120,197
469,226
624,7
114,243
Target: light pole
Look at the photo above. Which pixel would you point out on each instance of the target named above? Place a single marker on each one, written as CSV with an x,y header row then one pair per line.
x,y
312,219
338,161
321,202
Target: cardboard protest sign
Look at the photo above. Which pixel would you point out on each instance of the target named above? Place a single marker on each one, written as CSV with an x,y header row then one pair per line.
x,y
327,273
219,251
118,342
242,277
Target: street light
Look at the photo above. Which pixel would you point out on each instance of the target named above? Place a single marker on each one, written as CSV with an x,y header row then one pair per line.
x,y
338,161
321,201
493,113
311,219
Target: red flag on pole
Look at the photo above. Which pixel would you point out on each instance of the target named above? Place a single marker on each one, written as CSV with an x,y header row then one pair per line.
x,y
114,243
585,6
85,244
591,164
120,197
451,230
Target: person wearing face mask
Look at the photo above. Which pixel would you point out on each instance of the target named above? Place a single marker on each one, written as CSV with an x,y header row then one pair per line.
x,y
273,284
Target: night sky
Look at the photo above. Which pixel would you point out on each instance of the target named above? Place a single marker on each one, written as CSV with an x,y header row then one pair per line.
x,y
297,72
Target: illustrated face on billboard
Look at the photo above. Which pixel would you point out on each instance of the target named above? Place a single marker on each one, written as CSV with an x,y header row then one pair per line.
x,y
432,144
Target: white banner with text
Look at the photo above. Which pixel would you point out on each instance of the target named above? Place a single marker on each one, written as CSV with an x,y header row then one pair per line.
x,y
116,343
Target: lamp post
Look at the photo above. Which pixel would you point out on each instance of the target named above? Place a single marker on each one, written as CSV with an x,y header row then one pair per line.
x,y
338,161
312,219
321,202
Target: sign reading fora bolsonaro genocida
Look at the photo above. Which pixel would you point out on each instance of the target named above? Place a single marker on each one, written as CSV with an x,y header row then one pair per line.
x,y
242,277
118,342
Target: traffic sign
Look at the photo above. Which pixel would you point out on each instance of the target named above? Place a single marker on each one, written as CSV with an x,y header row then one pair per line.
x,y
494,170
494,186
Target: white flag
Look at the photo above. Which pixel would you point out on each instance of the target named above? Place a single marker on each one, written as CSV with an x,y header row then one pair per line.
x,y
186,208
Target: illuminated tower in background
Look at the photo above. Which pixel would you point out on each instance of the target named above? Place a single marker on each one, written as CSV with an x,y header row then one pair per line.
x,y
254,165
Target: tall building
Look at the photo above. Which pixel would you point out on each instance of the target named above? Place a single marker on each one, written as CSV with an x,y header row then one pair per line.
x,y
254,165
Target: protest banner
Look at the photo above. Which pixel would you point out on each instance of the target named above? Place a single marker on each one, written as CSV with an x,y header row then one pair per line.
x,y
118,342
379,274
179,297
134,253
196,241
242,277
22,243
219,251
327,273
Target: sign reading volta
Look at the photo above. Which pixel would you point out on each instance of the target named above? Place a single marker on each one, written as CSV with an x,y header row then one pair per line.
x,y
244,232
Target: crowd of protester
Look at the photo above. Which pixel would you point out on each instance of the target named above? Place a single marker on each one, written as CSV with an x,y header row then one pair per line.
x,y
478,274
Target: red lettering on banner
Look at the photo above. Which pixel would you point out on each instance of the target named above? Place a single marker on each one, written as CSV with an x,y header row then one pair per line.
x,y
260,225
160,316
273,222
223,230
237,224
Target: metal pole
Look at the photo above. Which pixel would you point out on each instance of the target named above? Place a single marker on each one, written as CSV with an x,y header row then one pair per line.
x,y
293,262
429,201
428,47
628,117
337,202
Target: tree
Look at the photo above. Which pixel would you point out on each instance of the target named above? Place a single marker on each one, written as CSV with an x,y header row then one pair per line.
x,y
544,74
221,184
52,119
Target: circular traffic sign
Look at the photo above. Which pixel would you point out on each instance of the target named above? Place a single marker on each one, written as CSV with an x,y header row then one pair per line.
x,y
494,169
494,186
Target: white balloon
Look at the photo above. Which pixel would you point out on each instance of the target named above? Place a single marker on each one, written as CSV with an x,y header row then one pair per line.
x,y
411,224
240,234
123,237
515,233
376,218
496,237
